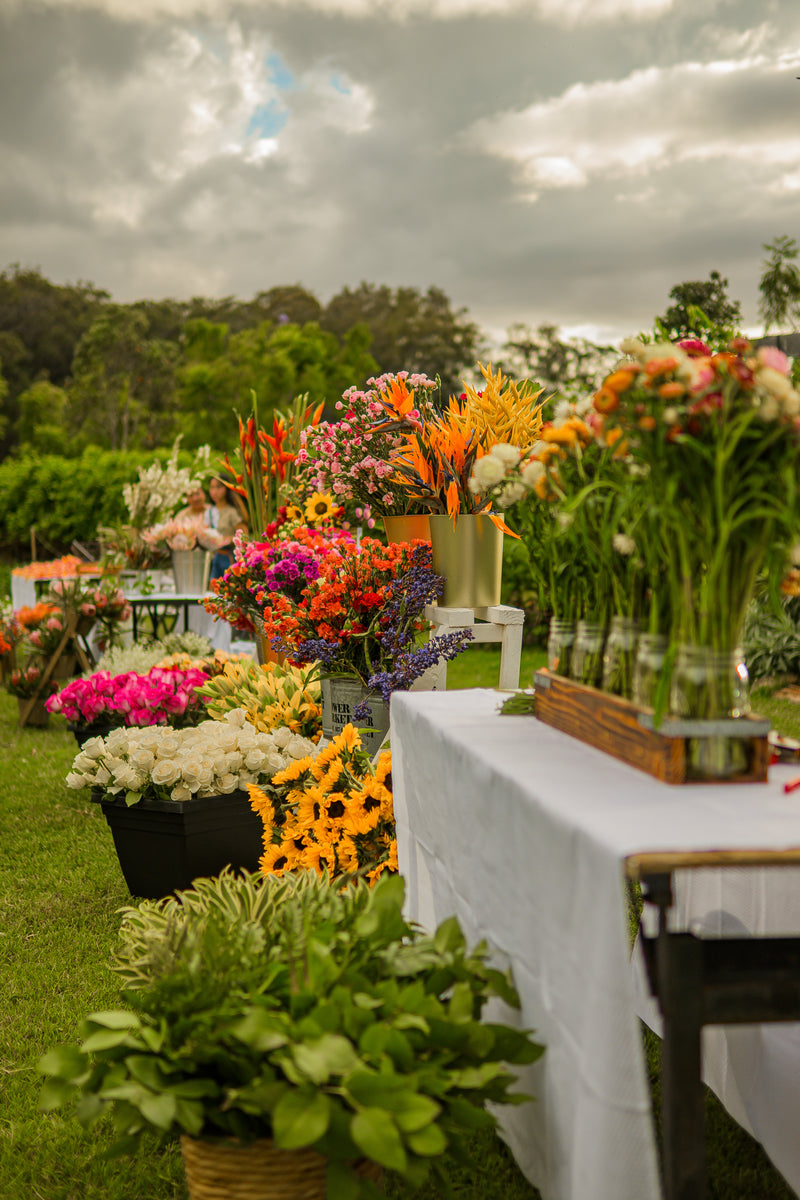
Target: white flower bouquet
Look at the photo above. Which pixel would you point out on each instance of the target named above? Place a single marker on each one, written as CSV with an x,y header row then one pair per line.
x,y
158,763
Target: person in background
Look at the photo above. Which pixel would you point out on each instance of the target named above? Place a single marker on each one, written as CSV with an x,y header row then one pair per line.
x,y
197,508
227,516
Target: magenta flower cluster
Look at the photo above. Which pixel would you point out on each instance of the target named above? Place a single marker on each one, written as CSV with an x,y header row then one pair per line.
x,y
290,568
160,697
349,459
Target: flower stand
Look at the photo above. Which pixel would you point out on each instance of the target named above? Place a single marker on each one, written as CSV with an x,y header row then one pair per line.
x,y
497,623
28,707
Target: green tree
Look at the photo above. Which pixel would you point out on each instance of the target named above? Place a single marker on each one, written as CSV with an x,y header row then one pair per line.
x,y
40,326
278,362
41,426
780,284
572,367
700,307
410,330
288,305
123,385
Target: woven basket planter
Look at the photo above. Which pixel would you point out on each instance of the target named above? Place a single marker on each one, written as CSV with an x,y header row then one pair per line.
x,y
222,1170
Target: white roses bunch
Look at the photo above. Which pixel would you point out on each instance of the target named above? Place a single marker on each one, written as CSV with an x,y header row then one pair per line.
x,y
211,759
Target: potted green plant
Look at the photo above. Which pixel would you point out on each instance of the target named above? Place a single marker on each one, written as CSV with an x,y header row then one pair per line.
x,y
300,1016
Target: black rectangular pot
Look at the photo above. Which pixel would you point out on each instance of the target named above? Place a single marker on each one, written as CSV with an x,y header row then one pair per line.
x,y
163,845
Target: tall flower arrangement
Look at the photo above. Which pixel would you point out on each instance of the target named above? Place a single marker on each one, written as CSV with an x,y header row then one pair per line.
x,y
352,457
266,459
436,462
716,441
152,499
361,617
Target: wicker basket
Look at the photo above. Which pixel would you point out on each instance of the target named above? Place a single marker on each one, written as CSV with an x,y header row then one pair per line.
x,y
220,1170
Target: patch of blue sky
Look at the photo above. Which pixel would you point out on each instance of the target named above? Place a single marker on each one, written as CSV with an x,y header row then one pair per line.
x,y
267,120
279,73
338,84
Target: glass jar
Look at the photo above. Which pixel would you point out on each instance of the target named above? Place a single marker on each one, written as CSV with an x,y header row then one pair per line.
x,y
560,641
651,650
707,686
587,653
619,656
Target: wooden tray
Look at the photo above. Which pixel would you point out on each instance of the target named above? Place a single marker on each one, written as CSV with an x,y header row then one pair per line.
x,y
627,732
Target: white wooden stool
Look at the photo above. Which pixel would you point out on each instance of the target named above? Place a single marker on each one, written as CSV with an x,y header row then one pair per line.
x,y
499,623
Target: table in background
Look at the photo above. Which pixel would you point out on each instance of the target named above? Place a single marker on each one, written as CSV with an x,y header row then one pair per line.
x,y
524,833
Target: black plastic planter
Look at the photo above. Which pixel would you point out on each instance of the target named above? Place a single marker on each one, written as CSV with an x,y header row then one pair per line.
x,y
163,845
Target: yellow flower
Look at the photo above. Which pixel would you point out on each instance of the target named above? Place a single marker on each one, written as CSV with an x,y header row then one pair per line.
x,y
319,508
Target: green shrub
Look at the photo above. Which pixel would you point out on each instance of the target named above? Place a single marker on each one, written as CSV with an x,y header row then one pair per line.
x,y
65,498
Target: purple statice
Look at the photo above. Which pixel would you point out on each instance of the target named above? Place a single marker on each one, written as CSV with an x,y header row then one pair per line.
x,y
409,665
406,599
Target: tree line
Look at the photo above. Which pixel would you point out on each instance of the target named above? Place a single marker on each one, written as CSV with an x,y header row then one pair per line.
x,y
78,371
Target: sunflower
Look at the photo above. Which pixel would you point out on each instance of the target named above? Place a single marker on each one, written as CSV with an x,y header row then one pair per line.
x,y
277,859
363,813
319,508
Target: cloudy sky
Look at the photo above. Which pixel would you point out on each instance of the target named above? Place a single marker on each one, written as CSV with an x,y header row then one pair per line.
x,y
539,160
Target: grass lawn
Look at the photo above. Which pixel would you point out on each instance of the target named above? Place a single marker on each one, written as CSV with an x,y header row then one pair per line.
x,y
60,889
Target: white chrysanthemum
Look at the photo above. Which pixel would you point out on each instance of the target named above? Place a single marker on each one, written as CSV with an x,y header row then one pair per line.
x,y
632,346
488,471
531,473
775,383
623,544
508,454
769,409
513,491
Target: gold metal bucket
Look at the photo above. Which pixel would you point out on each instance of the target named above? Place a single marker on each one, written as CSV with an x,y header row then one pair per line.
x,y
469,554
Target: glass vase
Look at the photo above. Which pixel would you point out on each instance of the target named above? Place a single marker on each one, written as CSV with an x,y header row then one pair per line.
x,y
587,653
707,686
560,641
619,656
651,651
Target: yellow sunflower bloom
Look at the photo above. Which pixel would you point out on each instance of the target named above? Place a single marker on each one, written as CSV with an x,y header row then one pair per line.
x,y
319,508
277,859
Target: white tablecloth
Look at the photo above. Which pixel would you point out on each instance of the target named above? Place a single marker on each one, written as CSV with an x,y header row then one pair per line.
x,y
521,831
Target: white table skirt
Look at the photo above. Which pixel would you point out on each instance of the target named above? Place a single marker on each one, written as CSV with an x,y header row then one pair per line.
x,y
521,831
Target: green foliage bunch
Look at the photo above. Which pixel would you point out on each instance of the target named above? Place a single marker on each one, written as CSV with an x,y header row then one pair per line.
x,y
66,498
300,1010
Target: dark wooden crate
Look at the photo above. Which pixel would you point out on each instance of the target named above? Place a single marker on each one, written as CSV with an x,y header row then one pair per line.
x,y
627,732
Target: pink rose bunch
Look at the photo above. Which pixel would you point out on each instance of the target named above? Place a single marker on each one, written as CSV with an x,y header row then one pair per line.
x,y
161,697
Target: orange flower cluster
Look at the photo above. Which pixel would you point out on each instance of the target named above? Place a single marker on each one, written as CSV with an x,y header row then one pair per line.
x,y
56,569
332,811
32,618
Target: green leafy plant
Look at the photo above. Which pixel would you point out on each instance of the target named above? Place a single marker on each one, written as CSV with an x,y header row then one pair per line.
x,y
306,1012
